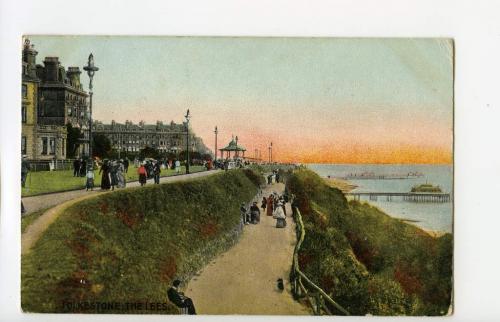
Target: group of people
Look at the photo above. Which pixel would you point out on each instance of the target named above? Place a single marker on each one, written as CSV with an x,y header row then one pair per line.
x,y
250,216
274,205
163,164
113,174
273,177
150,169
79,168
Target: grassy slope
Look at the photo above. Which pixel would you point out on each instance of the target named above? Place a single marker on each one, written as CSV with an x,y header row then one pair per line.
x,y
127,246
53,181
28,219
371,262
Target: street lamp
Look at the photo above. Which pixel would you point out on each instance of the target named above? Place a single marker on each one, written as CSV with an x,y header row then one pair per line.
x,y
216,132
187,116
91,69
271,152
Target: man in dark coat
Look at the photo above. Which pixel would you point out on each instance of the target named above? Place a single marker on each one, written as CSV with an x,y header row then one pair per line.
x,y
25,168
179,299
156,172
125,164
76,168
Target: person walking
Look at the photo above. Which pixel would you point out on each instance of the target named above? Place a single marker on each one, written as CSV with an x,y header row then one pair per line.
x,y
156,172
179,299
76,168
90,179
263,203
126,163
177,166
105,181
25,168
254,213
120,174
113,172
270,204
83,168
279,215
142,174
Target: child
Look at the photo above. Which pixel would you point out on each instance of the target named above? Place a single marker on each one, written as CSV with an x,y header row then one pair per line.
x,y
90,179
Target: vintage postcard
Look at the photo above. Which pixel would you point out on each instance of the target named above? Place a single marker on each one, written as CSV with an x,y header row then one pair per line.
x,y
237,175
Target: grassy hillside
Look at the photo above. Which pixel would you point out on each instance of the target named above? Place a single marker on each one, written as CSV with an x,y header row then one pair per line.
x,y
370,262
127,246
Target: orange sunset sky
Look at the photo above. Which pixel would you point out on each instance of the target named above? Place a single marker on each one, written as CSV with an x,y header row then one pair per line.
x,y
319,100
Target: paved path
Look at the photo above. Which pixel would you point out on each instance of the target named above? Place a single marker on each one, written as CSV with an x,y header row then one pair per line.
x,y
243,279
34,203
63,200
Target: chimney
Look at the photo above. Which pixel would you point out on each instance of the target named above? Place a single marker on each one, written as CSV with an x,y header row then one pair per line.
x,y
52,69
29,57
73,74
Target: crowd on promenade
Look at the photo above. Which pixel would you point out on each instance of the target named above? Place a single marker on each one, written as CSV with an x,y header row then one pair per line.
x,y
273,205
114,172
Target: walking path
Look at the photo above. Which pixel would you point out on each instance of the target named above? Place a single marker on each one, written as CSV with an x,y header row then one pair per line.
x,y
243,279
34,203
63,200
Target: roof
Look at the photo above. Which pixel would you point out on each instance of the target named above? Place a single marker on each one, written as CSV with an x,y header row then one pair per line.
x,y
233,146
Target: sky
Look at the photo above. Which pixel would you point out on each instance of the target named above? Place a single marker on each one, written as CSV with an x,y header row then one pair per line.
x,y
318,100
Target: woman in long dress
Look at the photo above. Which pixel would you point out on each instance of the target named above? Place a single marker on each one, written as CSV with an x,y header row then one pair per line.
x,y
105,182
142,174
120,175
114,178
279,215
270,204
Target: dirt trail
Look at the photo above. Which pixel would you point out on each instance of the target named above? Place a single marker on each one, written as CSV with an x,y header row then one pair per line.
x,y
243,279
65,199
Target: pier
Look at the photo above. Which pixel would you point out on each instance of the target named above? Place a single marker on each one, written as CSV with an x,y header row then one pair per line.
x,y
438,197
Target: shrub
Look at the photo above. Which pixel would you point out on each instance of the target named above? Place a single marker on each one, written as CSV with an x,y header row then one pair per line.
x,y
370,262
128,245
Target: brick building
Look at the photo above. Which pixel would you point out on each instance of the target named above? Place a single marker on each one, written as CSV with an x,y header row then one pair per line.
x,y
62,99
130,137
38,141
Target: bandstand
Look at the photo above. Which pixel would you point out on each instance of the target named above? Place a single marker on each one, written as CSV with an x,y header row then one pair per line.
x,y
238,151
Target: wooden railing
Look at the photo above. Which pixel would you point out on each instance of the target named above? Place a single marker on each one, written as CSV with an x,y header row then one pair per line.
x,y
302,286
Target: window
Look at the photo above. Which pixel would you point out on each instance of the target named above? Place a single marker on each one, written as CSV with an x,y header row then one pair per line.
x,y
25,91
44,145
23,113
52,145
23,145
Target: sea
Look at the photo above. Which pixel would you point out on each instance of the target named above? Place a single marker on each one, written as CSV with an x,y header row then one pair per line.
x,y
429,216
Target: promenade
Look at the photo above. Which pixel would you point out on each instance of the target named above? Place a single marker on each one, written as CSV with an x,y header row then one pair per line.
x,y
243,279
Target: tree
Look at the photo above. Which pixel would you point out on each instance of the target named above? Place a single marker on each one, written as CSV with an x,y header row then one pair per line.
x,y
101,146
149,152
74,135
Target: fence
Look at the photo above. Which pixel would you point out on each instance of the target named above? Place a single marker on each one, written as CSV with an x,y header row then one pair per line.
x,y
317,298
49,165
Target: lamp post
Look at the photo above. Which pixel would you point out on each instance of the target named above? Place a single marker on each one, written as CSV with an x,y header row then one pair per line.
x,y
271,152
91,69
187,116
216,132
